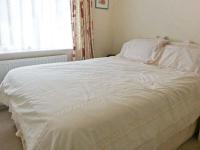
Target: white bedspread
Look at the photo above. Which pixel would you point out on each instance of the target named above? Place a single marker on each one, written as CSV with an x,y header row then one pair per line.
x,y
102,104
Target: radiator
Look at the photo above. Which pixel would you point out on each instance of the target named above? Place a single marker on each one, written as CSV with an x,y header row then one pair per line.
x,y
7,65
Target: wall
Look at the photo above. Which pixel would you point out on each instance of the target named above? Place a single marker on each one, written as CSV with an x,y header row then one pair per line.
x,y
102,30
178,19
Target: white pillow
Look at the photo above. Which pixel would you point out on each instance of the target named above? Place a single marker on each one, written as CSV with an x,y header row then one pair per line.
x,y
181,57
145,50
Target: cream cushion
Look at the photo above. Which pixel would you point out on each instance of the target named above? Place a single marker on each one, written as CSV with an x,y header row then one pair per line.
x,y
181,57
144,50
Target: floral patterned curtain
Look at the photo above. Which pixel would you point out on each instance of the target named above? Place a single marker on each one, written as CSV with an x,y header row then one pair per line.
x,y
82,26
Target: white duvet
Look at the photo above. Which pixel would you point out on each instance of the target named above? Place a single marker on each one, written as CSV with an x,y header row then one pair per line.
x,y
101,104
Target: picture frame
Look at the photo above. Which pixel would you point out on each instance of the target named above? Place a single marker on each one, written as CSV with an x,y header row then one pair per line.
x,y
102,4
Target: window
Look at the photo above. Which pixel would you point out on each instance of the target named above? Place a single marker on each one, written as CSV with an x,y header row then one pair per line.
x,y
27,25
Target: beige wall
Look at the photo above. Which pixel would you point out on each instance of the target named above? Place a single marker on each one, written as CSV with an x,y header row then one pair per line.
x,y
102,31
178,19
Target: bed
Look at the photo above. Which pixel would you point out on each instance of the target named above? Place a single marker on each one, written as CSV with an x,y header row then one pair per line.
x,y
102,104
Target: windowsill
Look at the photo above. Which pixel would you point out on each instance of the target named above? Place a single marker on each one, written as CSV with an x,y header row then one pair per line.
x,y
32,54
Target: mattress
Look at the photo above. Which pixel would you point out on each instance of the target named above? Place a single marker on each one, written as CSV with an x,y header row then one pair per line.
x,y
106,103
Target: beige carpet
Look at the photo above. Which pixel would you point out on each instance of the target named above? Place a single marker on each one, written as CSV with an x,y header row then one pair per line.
x,y
8,140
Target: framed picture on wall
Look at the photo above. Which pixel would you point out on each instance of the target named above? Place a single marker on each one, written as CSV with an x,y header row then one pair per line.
x,y
102,4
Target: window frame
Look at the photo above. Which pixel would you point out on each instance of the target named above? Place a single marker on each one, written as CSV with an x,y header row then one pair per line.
x,y
33,54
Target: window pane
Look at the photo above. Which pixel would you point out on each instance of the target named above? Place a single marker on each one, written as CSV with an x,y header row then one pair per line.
x,y
35,25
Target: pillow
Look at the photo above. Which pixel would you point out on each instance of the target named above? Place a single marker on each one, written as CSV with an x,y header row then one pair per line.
x,y
181,57
144,50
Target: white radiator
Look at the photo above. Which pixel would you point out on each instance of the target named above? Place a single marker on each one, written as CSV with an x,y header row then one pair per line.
x,y
7,65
